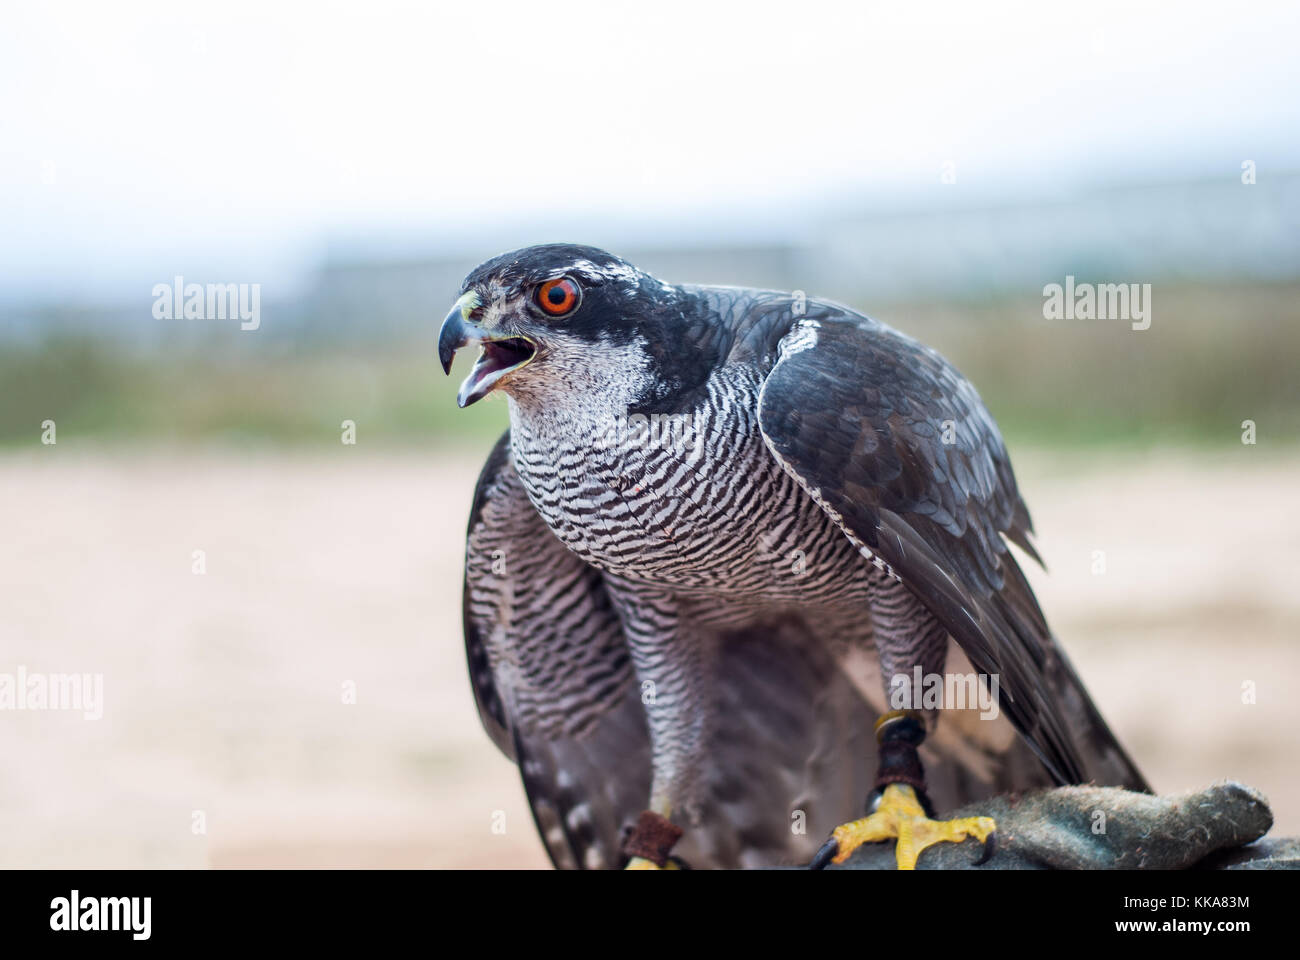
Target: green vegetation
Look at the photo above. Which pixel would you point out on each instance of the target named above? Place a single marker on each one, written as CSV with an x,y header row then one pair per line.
x,y
1214,356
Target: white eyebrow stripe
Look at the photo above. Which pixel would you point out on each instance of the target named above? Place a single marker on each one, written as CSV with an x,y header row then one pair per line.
x,y
617,272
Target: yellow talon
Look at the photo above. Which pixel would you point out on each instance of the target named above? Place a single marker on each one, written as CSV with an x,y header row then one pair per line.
x,y
900,816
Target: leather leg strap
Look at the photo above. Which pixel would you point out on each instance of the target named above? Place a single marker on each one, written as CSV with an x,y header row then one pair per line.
x,y
653,838
898,735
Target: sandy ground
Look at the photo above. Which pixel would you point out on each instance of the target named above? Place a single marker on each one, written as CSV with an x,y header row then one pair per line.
x,y
225,692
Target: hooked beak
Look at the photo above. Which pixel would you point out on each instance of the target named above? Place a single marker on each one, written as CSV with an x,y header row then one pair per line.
x,y
499,355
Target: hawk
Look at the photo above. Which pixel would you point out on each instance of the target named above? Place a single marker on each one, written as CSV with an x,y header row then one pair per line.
x,y
733,566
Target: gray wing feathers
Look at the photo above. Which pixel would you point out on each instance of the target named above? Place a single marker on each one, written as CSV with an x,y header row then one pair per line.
x,y
898,447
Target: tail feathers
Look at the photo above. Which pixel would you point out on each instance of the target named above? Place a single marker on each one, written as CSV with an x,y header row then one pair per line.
x,y
791,755
1106,763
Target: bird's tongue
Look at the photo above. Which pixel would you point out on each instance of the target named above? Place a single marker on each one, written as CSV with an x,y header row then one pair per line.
x,y
494,361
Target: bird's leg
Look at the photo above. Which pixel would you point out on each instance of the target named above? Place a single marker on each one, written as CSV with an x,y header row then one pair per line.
x,y
674,669
900,809
909,640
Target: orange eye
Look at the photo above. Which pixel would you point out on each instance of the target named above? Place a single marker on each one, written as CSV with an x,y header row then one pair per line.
x,y
558,297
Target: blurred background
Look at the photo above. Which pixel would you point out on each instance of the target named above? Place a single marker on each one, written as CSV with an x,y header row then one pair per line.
x,y
303,701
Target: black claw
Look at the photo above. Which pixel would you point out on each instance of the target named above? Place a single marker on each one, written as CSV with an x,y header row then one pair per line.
x,y
926,805
990,848
825,854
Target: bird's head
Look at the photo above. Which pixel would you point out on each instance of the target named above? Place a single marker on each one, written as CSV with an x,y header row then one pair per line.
x,y
557,319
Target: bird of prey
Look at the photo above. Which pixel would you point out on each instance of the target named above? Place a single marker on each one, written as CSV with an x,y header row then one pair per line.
x,y
731,543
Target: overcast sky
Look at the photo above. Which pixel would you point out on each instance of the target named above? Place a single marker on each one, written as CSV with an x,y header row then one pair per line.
x,y
138,140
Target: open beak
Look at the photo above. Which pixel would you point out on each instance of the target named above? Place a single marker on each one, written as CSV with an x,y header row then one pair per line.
x,y
498,356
